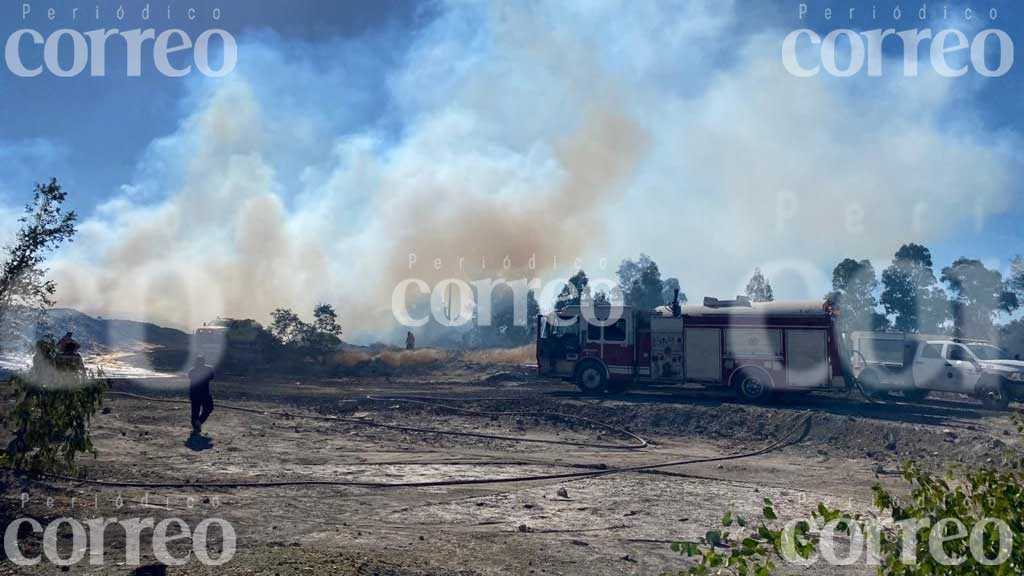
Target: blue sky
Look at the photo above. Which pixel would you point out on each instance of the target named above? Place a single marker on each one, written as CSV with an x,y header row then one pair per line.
x,y
96,130
353,133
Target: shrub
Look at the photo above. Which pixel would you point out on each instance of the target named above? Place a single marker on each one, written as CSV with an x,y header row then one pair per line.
x,y
964,504
47,417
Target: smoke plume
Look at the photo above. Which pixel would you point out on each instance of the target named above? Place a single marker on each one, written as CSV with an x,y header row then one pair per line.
x,y
540,132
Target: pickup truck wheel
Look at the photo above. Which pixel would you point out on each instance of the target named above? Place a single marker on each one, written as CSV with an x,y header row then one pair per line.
x,y
752,385
591,379
915,395
993,395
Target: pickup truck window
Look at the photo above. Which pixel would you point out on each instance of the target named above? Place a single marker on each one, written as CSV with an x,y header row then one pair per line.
x,y
931,351
988,352
959,353
885,350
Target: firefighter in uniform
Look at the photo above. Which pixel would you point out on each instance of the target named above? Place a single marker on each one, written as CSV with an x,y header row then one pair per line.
x,y
199,394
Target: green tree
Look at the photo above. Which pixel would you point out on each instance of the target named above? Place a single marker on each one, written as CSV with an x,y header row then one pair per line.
x,y
25,292
853,292
1016,279
521,328
911,295
671,285
640,282
575,288
1011,337
286,326
532,311
49,410
324,335
510,325
317,339
759,289
979,295
325,320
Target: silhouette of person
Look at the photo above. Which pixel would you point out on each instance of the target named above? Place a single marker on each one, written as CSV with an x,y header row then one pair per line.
x,y
67,345
199,394
410,341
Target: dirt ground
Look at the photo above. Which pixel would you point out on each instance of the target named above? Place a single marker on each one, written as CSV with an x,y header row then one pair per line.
x,y
609,524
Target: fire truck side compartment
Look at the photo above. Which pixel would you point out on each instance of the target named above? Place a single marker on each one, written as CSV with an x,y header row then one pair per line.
x,y
704,354
807,358
666,361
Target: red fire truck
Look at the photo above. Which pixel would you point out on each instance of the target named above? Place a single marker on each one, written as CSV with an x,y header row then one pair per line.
x,y
756,349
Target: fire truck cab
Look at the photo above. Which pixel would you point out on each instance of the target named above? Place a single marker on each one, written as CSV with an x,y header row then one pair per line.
x,y
756,349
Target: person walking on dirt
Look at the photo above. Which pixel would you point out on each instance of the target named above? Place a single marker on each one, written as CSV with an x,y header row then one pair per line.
x,y
200,377
410,341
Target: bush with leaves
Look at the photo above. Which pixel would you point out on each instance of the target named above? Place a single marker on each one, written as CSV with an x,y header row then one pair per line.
x,y
25,292
46,412
50,407
954,512
736,548
317,339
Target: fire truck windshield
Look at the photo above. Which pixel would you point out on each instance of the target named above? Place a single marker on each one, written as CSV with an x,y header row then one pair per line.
x,y
549,330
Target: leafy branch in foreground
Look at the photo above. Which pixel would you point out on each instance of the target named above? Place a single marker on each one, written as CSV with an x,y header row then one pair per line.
x,y
737,548
24,287
971,524
46,411
48,423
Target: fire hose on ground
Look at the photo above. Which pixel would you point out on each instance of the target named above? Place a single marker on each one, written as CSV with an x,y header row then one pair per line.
x,y
639,441
784,440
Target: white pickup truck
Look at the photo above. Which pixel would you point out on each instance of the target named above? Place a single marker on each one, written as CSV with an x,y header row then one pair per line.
x,y
914,365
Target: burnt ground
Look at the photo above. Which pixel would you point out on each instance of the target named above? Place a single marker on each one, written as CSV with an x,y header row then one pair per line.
x,y
610,524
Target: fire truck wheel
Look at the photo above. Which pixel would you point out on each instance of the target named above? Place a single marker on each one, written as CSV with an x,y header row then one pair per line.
x,y
752,385
591,379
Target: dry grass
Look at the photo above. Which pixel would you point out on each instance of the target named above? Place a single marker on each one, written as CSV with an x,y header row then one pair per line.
x,y
522,355
391,358
408,358
425,356
349,358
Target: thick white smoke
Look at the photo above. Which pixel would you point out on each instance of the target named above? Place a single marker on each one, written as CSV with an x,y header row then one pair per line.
x,y
559,131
